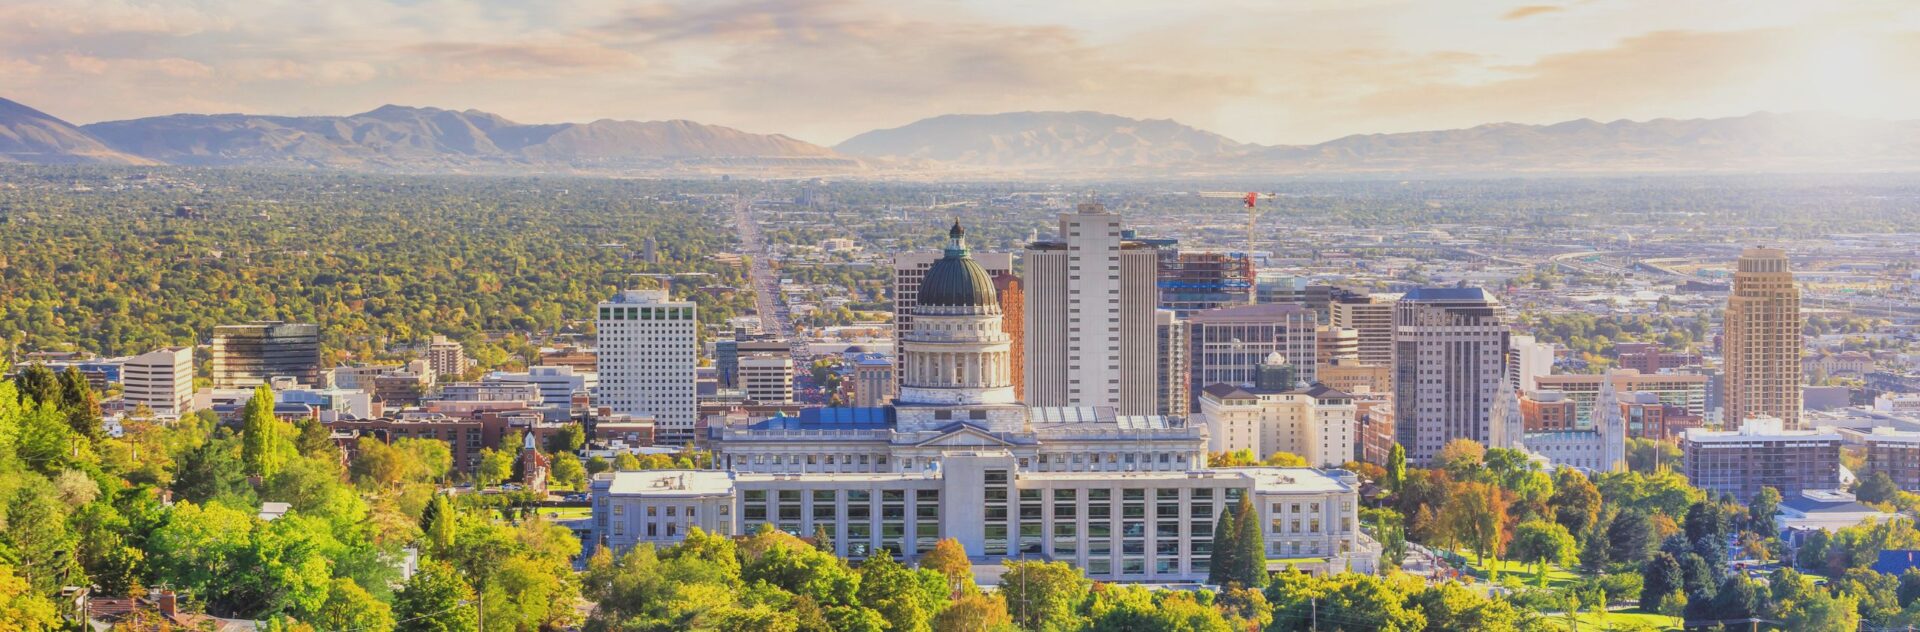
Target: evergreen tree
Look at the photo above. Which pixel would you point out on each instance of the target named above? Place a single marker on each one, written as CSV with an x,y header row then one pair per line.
x,y
822,541
1252,551
1909,587
80,403
1223,562
1661,577
38,542
1736,599
38,384
1630,537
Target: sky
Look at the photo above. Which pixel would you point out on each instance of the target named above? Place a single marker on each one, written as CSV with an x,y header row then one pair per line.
x,y
1265,71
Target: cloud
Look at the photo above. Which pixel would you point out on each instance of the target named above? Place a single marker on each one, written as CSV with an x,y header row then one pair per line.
x,y
1521,13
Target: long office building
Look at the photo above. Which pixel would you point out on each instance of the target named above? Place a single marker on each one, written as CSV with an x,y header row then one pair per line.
x,y
1449,367
1761,339
245,356
647,358
161,380
1091,295
1228,345
1762,453
1688,392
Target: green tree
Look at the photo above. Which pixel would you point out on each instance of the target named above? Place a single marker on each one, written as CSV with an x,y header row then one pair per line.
x,y
1540,543
906,598
435,600
314,440
1761,509
570,438
568,471
1223,563
38,385
1451,606
1820,611
40,546
1630,537
1396,468
495,466
350,607
1250,554
1576,501
1662,578
80,403
1044,595
1876,488
264,446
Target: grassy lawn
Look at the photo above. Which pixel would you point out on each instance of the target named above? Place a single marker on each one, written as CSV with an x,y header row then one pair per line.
x,y
566,513
1556,576
1636,618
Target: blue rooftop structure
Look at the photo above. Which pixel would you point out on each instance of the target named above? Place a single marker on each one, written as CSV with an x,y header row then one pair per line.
x,y
1896,562
873,418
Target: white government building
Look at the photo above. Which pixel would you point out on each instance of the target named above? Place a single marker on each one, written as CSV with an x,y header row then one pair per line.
x,y
1122,497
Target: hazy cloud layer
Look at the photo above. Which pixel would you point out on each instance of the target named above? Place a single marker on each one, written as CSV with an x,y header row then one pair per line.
x,y
823,70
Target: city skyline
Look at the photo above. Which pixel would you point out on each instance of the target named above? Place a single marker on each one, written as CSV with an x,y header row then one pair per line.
x,y
1255,73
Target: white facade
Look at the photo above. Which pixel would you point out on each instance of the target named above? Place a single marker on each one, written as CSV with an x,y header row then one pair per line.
x,y
908,269
161,380
1089,316
647,357
1530,359
557,384
1315,424
767,378
447,358
1126,527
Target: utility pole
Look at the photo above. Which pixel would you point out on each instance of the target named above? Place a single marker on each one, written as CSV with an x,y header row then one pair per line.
x,y
1314,603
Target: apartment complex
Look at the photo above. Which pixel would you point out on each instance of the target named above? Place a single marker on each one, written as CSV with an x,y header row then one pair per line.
x,y
1090,297
447,358
161,380
1761,339
1450,365
1315,423
647,357
1170,364
1895,453
1762,453
874,383
245,356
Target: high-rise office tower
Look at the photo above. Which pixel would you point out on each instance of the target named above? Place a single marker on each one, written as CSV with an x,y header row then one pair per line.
x,y
909,268
1761,340
1170,364
1372,316
1228,345
161,380
647,358
447,358
245,356
1090,299
1450,366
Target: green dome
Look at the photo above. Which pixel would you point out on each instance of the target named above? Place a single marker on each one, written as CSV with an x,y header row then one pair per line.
x,y
956,280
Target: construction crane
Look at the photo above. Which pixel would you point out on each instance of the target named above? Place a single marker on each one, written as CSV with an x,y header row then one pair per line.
x,y
1252,200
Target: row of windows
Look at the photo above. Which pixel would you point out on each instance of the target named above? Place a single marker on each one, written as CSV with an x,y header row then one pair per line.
x,y
646,313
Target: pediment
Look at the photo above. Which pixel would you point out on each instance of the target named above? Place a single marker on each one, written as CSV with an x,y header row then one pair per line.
x,y
961,435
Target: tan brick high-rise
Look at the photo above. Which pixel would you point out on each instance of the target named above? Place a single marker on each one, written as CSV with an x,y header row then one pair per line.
x,y
1761,340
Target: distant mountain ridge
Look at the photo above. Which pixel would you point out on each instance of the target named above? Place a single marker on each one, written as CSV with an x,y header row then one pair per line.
x,y
29,135
1015,144
1058,140
399,137
1761,141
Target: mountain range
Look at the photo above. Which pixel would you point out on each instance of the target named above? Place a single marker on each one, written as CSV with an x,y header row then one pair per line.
x,y
1017,144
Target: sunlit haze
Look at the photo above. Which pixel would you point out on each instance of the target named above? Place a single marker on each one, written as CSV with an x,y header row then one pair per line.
x,y
823,70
